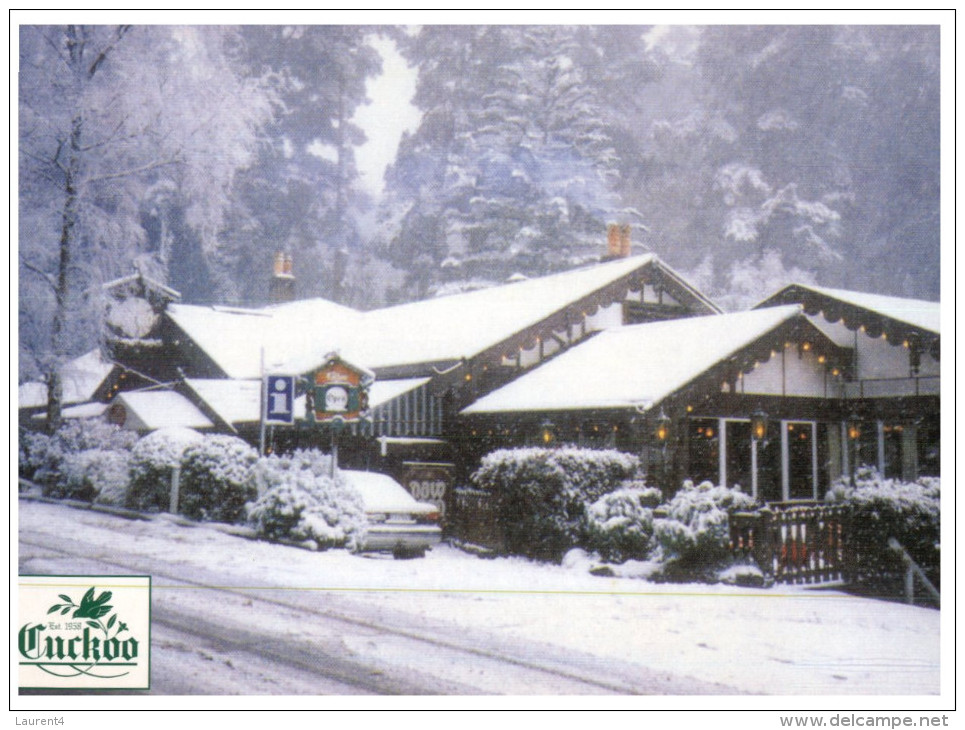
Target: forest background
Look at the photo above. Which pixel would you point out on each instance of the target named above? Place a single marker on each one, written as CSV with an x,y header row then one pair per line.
x,y
746,157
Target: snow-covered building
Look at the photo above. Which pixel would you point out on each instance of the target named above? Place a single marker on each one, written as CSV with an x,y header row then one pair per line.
x,y
780,400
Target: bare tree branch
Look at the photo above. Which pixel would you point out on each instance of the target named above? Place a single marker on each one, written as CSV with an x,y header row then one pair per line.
x,y
102,56
133,171
47,278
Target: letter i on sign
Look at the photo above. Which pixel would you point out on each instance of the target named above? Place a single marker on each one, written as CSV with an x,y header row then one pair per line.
x,y
281,397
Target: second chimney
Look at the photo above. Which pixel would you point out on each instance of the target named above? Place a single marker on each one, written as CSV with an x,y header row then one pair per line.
x,y
617,241
281,289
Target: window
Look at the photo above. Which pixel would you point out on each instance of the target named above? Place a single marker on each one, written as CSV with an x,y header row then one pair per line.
x,y
800,460
704,450
738,455
929,448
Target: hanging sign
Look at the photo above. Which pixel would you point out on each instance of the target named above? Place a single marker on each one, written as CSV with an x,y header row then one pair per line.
x,y
340,392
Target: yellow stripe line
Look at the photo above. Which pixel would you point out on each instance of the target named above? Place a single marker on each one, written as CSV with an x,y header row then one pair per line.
x,y
495,591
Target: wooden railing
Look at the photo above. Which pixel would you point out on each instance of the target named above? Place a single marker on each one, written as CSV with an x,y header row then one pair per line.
x,y
795,544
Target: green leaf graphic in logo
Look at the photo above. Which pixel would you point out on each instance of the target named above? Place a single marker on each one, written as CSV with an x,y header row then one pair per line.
x,y
91,607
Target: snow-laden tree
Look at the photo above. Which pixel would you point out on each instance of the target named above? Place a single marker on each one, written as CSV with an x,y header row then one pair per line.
x,y
302,194
819,143
512,169
115,120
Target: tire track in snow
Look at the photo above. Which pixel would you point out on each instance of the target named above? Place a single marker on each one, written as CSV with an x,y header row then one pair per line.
x,y
485,661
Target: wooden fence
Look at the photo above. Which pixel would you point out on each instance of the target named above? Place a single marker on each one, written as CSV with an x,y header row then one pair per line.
x,y
795,543
473,521
790,542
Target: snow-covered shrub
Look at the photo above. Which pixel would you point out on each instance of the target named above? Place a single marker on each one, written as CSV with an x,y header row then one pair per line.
x,y
883,508
301,501
215,479
74,437
619,525
153,459
112,474
31,451
99,475
541,494
692,535
743,574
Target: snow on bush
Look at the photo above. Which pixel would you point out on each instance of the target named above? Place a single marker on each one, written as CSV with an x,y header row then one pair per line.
x,y
76,435
99,475
31,451
215,479
153,459
883,508
541,494
301,501
692,535
619,525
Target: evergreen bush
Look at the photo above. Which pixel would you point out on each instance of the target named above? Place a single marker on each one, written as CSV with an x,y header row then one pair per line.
x,y
153,459
47,455
620,524
301,501
215,483
692,534
99,475
541,494
882,509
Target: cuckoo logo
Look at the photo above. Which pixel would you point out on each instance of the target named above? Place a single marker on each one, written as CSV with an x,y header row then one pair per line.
x,y
84,632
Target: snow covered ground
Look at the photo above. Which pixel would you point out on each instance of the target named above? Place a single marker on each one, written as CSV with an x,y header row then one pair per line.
x,y
785,641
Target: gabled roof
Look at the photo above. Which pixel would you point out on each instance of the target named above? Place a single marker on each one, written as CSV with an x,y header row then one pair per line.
x,y
917,313
81,377
297,336
636,366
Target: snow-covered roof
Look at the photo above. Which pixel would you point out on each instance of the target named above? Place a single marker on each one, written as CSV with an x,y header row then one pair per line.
x,y
916,312
84,410
296,336
635,366
383,391
235,401
149,410
81,378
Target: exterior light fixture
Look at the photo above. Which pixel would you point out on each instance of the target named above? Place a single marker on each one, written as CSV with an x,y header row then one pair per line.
x,y
854,428
759,425
547,432
662,431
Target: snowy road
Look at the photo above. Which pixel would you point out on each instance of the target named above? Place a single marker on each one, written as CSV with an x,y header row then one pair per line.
x,y
264,640
281,620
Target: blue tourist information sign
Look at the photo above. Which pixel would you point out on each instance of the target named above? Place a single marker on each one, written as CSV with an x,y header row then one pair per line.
x,y
280,399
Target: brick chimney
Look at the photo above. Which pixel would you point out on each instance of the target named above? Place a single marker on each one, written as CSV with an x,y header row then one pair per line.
x,y
281,289
617,241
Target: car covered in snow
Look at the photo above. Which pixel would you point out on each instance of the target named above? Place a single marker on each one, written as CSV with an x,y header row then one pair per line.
x,y
397,522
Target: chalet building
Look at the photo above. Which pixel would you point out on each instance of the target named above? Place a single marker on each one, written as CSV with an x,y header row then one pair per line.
x,y
780,400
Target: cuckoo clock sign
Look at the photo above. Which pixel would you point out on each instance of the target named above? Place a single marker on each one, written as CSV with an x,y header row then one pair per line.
x,y
340,392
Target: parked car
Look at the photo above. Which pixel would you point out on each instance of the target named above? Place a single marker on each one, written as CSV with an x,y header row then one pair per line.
x,y
397,522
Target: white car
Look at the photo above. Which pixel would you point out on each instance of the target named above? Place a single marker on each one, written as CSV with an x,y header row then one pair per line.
x,y
397,522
